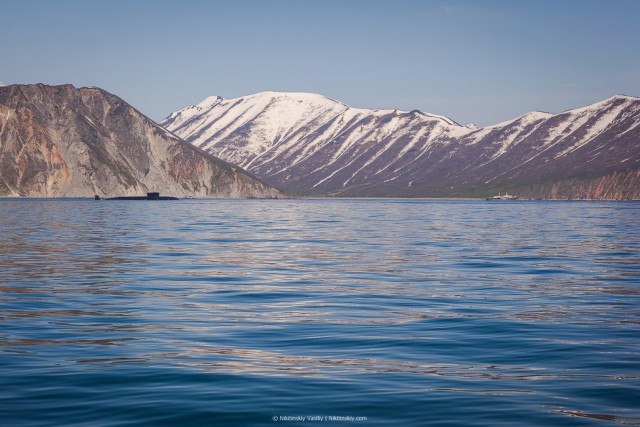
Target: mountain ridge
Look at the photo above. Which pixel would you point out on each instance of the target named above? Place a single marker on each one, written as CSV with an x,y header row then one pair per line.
x,y
313,145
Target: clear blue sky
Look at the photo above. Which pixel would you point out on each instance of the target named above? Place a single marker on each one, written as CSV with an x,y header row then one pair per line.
x,y
474,61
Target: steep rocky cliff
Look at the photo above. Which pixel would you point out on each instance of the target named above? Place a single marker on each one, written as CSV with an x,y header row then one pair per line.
x,y
615,186
59,141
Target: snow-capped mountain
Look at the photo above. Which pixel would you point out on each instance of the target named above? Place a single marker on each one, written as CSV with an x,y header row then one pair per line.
x,y
311,144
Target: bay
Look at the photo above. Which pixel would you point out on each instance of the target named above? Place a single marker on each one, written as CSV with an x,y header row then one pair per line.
x,y
354,311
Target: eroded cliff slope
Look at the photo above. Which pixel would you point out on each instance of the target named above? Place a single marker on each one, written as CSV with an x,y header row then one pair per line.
x,y
61,141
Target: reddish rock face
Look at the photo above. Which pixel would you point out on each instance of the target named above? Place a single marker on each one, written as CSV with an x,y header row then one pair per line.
x,y
59,141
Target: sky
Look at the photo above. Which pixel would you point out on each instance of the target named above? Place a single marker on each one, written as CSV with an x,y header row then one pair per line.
x,y
482,61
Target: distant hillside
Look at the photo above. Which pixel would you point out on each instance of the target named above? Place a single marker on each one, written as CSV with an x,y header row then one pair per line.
x,y
59,141
314,145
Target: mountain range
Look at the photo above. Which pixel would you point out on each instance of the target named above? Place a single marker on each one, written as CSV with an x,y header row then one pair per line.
x,y
313,145
61,141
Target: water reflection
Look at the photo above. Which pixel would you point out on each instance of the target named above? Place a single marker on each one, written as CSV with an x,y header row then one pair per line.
x,y
456,297
620,419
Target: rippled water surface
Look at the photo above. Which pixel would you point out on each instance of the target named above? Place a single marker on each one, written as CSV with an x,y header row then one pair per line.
x,y
401,312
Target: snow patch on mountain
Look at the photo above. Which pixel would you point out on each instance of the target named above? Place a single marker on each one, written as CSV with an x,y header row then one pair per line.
x,y
259,128
600,116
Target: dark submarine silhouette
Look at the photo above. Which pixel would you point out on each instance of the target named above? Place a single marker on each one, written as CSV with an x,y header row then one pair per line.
x,y
149,196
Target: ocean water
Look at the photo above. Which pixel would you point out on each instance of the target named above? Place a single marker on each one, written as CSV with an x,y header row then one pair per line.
x,y
358,312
